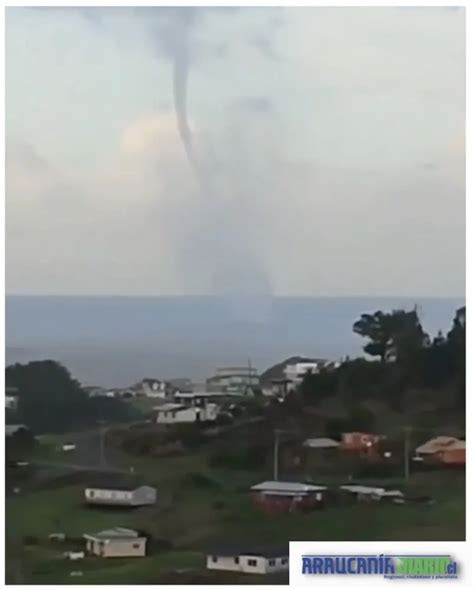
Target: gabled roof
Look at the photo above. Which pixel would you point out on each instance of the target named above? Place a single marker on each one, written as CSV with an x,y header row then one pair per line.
x,y
265,552
114,533
363,490
11,429
441,443
170,407
282,487
321,443
113,481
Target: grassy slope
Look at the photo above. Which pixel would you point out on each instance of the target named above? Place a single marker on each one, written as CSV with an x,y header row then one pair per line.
x,y
192,517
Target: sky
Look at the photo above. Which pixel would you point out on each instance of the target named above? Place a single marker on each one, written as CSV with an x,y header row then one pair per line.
x,y
329,151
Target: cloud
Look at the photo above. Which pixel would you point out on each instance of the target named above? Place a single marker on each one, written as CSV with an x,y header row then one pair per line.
x,y
329,193
265,45
140,224
256,104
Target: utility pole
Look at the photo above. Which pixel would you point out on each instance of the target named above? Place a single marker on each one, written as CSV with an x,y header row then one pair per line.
x,y
249,385
276,449
407,452
275,455
102,443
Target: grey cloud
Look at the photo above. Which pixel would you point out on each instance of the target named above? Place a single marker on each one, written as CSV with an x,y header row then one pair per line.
x,y
265,45
256,104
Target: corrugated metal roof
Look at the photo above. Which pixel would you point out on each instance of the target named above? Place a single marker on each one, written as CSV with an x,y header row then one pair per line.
x,y
281,487
12,429
321,443
441,443
265,552
363,490
114,533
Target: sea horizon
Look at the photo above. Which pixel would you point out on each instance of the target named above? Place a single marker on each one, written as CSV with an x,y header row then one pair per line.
x,y
117,340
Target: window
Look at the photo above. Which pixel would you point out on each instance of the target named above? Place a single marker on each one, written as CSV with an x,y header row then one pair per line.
x,y
284,561
236,560
214,559
271,562
252,562
91,494
135,545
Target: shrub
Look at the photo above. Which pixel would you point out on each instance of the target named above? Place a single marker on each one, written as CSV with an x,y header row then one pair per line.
x,y
198,480
224,419
30,540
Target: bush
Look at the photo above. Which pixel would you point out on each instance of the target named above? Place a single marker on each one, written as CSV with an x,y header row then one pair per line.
x,y
30,540
190,435
378,470
224,419
198,480
246,457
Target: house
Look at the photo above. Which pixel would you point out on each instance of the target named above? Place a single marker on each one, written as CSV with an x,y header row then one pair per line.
x,y
443,450
455,455
126,393
154,388
173,413
119,493
296,371
245,560
365,494
199,398
184,385
70,555
11,402
360,443
279,387
234,379
116,543
11,398
279,496
94,391
12,429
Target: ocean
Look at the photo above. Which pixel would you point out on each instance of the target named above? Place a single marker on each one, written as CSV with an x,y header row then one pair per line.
x,y
117,341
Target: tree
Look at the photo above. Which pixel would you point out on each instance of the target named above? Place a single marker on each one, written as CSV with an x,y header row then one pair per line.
x,y
20,444
49,399
456,345
377,328
393,336
317,386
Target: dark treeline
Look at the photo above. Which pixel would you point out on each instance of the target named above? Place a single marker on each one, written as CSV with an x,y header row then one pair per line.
x,y
404,363
50,400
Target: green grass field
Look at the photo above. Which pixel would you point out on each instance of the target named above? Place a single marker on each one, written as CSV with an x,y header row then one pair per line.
x,y
199,506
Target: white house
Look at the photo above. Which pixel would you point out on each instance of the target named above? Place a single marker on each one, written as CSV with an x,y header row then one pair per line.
x,y
125,494
154,388
11,402
116,543
365,493
234,379
296,371
94,391
172,413
11,429
257,562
